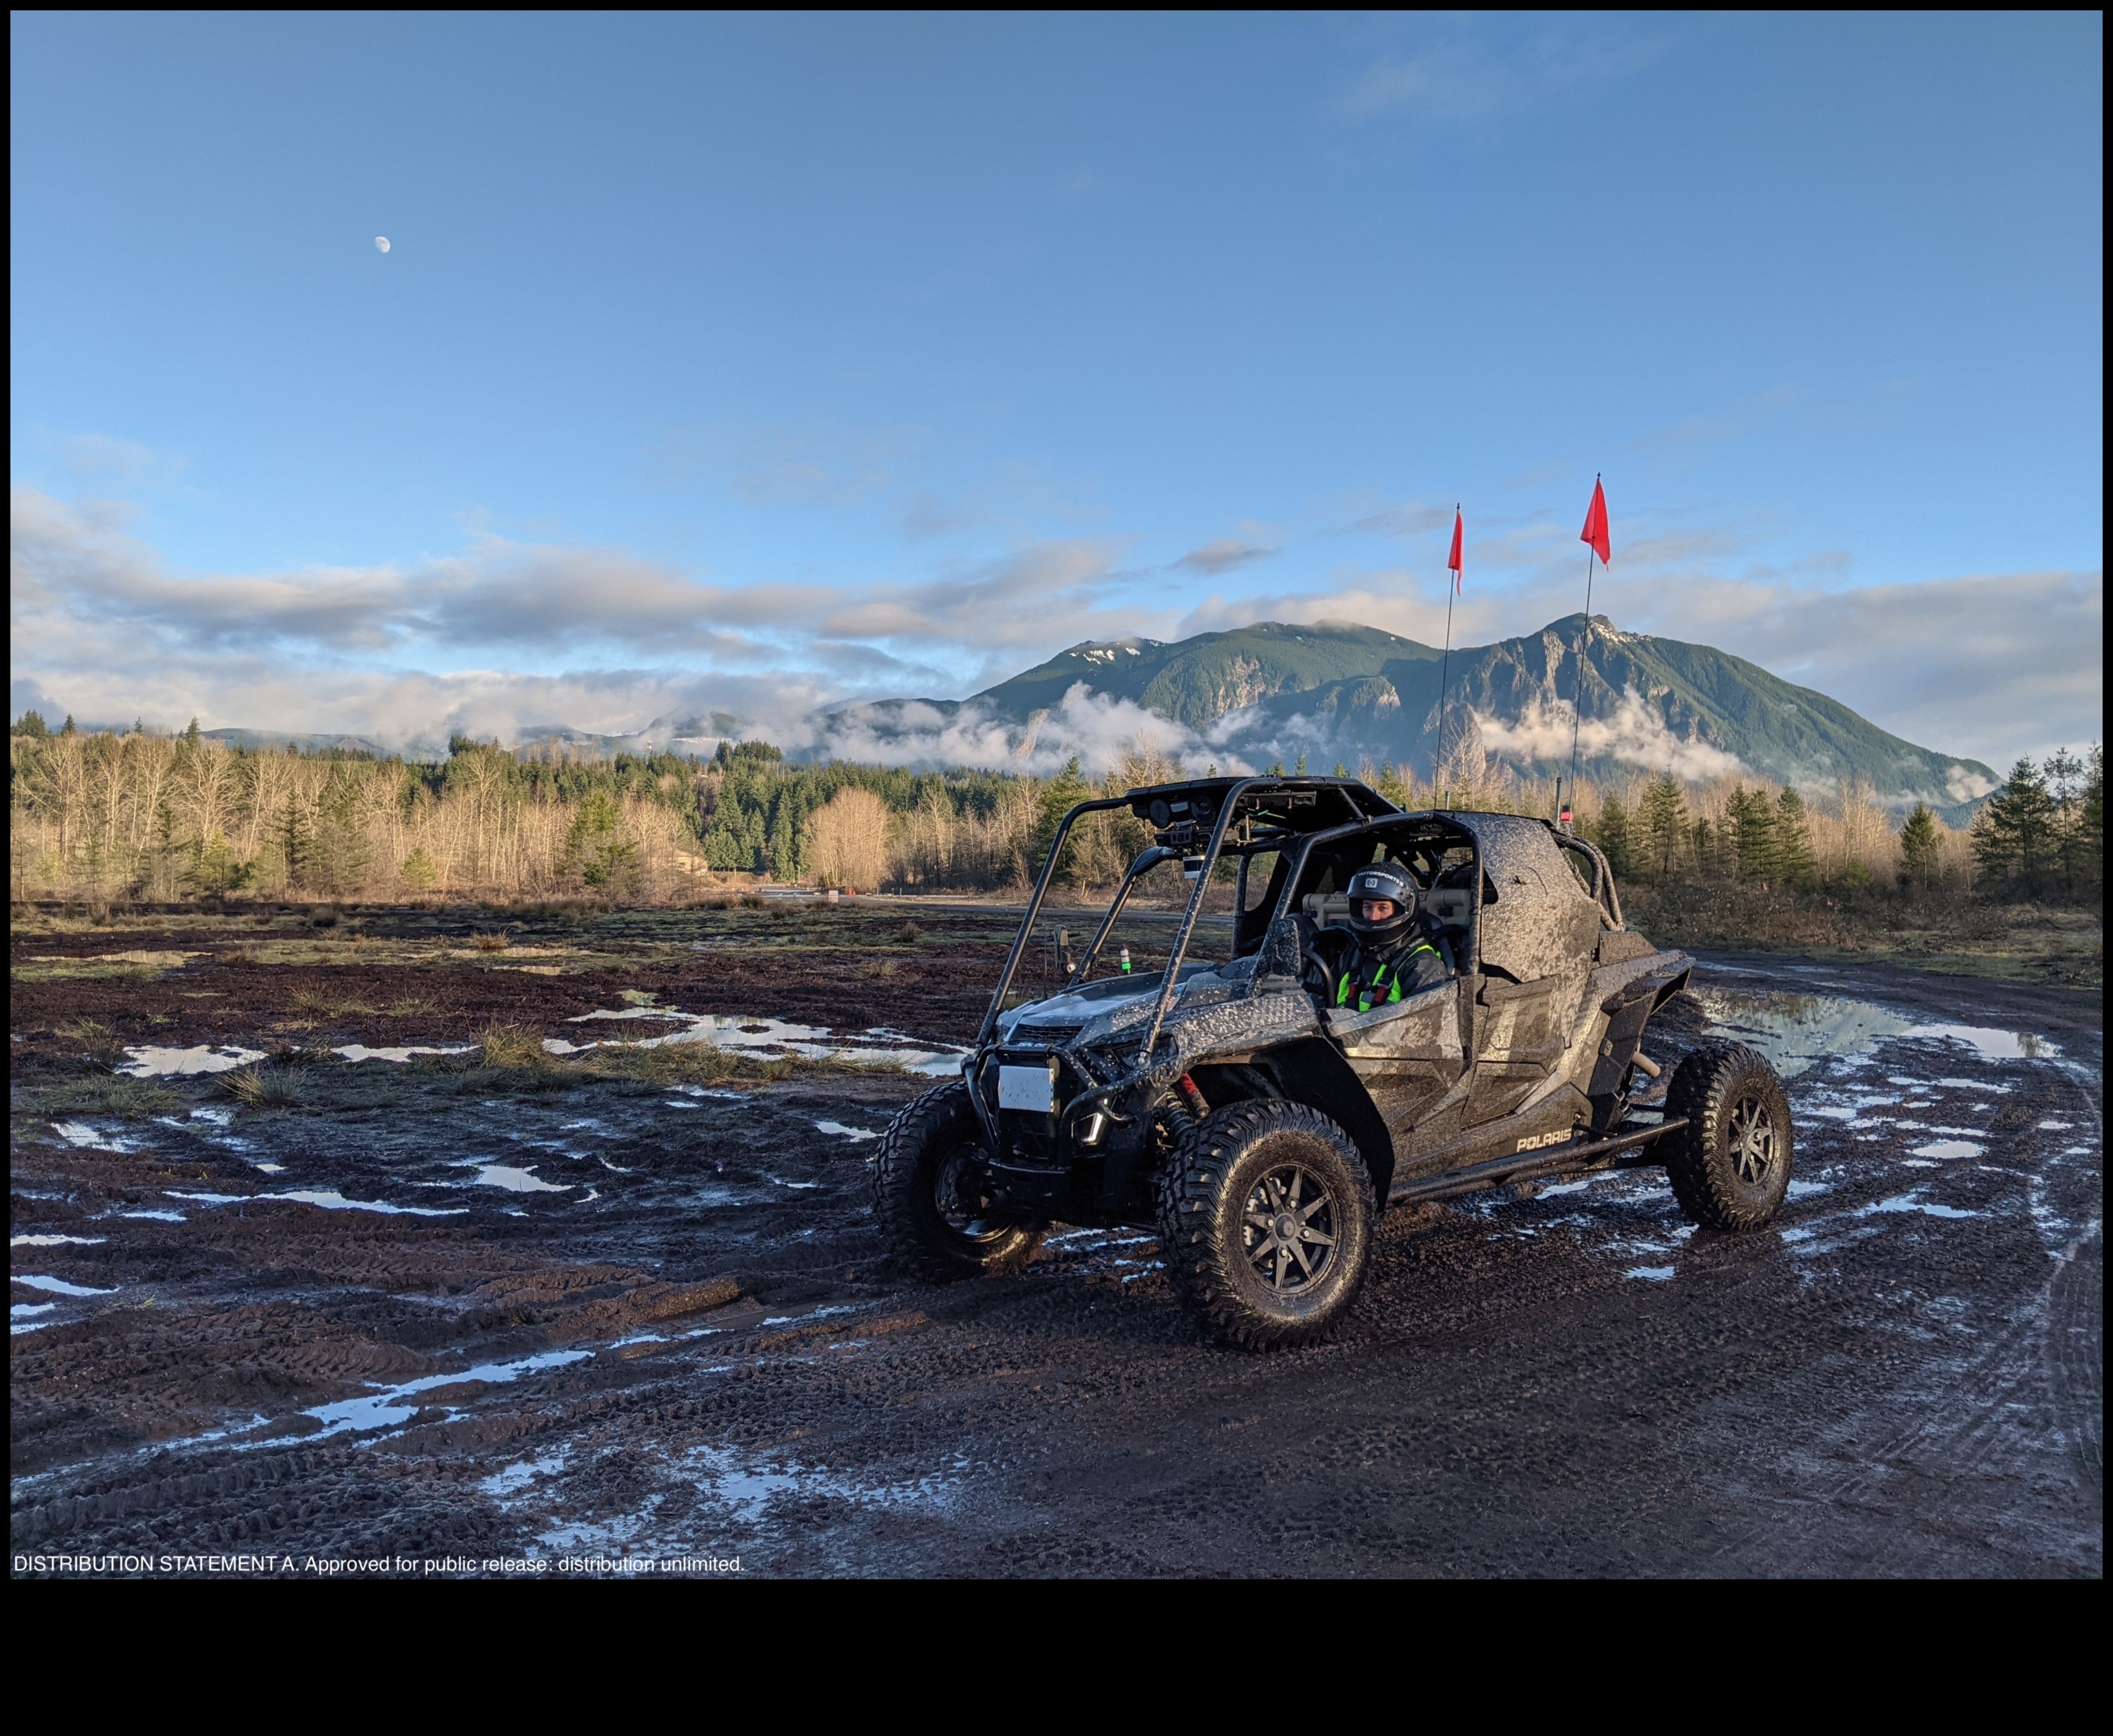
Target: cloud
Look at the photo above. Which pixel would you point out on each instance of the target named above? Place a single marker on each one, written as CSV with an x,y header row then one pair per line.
x,y
1222,556
1096,729
1635,735
101,628
1984,667
1987,666
1472,80
1409,519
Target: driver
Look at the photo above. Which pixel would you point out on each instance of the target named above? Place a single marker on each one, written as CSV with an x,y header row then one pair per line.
x,y
1397,953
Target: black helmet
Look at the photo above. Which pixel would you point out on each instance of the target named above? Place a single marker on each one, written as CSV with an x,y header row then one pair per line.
x,y
1381,883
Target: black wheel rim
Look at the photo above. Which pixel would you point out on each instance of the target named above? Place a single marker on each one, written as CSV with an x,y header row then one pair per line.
x,y
1289,1226
961,1196
1749,1141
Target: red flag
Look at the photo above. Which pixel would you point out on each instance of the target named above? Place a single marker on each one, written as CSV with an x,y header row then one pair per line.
x,y
1454,559
1596,524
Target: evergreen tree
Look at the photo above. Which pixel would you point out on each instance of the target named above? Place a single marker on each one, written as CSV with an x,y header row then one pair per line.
x,y
1613,839
294,844
597,850
2013,832
2091,817
32,724
1796,860
1662,819
1059,796
1920,849
192,734
1750,817
2071,849
66,729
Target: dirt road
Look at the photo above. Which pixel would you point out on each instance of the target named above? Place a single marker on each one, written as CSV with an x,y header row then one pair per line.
x,y
439,1311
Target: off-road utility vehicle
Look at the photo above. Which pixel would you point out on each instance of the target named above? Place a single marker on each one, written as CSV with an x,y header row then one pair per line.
x,y
1232,1107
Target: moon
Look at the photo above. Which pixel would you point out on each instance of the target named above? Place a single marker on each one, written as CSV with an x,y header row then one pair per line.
x,y
381,243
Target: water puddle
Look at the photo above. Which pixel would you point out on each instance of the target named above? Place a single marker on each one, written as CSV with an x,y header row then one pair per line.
x,y
54,1241
58,1286
853,1134
82,1137
1651,1274
399,1053
519,1476
385,1408
1950,1148
748,1490
149,1061
21,1317
777,1039
506,1176
1798,1031
1913,1202
329,1199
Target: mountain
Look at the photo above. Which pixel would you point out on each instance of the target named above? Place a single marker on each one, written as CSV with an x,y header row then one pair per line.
x,y
1335,693
1341,693
1196,681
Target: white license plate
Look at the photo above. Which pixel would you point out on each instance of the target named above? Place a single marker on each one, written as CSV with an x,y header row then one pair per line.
x,y
1028,1088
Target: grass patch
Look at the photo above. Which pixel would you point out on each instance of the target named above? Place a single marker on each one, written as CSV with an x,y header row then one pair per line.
x,y
491,939
77,970
683,1064
411,1007
512,1045
330,1006
113,1094
263,1088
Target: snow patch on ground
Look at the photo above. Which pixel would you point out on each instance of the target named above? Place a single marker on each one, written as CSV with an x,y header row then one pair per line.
x,y
152,1061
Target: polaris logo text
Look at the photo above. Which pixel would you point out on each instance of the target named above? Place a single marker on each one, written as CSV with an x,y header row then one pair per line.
x,y
1535,1142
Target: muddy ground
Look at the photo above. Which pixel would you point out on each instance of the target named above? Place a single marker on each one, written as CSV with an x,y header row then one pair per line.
x,y
631,1304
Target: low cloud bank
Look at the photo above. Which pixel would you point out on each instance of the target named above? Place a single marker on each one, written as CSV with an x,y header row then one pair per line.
x,y
1634,736
1983,667
1098,730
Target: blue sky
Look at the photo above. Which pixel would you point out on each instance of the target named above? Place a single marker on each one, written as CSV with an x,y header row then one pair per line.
x,y
752,362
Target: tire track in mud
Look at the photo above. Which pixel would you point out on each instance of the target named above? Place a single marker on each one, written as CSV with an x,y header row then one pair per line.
x,y
1867,1387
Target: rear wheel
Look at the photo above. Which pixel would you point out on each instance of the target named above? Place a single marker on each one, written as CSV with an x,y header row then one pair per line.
x,y
1730,1165
932,1194
1265,1217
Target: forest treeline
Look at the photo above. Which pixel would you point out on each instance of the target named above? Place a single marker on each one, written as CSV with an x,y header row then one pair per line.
x,y
97,816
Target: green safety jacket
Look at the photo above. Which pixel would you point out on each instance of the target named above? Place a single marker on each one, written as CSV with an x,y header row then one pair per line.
x,y
1386,977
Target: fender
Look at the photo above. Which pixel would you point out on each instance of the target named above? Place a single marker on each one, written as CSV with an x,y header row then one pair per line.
x,y
1311,1071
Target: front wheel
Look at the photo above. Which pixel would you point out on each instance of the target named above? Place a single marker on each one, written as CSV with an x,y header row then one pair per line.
x,y
1264,1213
932,1194
1730,1165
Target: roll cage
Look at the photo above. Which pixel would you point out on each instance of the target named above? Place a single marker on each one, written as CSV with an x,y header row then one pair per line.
x,y
1305,822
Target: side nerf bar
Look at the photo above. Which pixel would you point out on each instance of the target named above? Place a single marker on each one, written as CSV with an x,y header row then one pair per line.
x,y
1519,1167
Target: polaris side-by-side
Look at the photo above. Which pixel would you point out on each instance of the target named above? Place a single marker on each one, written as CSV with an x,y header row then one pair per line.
x,y
1257,1128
